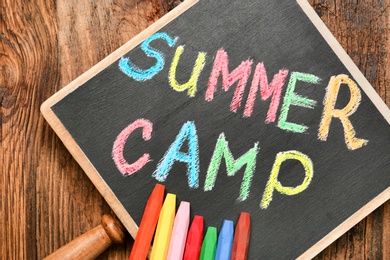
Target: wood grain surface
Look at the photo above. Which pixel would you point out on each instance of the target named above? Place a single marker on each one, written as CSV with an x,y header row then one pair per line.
x,y
46,199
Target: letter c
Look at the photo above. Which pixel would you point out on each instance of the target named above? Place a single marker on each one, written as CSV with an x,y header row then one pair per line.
x,y
117,151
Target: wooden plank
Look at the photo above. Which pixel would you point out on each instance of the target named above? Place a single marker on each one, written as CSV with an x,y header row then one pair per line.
x,y
46,199
65,109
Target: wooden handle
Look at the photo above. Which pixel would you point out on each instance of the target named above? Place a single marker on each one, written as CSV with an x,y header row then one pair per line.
x,y
91,244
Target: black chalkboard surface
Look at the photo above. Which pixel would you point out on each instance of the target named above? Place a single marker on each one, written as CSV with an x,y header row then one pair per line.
x,y
234,106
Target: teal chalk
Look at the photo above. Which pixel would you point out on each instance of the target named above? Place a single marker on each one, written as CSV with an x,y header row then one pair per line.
x,y
209,245
225,241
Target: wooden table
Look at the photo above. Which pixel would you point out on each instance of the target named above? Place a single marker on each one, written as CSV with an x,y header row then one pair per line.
x,y
46,199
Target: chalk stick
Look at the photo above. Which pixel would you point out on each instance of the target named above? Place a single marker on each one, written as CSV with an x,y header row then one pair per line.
x,y
241,237
164,228
225,241
148,224
179,232
209,245
194,239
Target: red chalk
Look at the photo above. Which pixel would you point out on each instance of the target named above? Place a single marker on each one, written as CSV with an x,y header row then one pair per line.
x,y
148,224
241,237
194,239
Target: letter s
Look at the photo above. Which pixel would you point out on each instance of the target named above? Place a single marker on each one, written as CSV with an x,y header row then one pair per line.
x,y
131,70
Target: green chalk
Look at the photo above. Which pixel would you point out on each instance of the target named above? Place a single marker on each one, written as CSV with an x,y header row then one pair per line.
x,y
209,245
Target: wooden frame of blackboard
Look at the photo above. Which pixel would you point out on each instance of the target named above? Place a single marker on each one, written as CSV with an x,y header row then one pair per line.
x,y
105,190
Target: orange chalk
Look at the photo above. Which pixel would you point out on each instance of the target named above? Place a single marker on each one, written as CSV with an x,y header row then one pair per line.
x,y
148,224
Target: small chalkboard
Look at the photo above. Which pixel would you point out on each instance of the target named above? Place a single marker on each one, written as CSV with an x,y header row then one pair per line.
x,y
234,106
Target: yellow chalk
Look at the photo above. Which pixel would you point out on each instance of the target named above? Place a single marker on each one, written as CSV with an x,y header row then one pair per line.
x,y
164,228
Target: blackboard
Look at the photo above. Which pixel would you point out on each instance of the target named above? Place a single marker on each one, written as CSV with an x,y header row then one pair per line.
x,y
234,106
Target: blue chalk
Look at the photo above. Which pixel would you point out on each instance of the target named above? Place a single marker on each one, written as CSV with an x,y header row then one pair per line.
x,y
225,241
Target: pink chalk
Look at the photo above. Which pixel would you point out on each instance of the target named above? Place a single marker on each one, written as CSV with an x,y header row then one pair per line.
x,y
179,232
